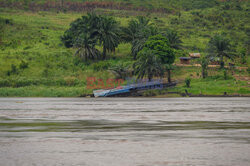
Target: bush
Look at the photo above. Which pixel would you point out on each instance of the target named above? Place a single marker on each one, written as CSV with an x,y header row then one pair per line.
x,y
5,83
22,82
188,82
13,70
149,93
243,57
204,67
102,65
71,81
45,72
23,65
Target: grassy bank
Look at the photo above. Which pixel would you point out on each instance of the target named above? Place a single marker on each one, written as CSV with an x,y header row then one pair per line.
x,y
35,63
213,85
43,91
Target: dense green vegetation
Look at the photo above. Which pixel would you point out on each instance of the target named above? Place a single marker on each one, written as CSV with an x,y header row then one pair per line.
x,y
35,62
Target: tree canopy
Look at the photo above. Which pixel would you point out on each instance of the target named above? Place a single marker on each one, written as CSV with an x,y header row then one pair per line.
x,y
154,57
137,33
173,38
219,46
148,64
86,32
162,48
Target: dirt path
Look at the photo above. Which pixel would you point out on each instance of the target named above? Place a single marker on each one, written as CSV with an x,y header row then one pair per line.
x,y
212,66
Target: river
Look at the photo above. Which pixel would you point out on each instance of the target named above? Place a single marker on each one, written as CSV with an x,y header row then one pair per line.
x,y
125,131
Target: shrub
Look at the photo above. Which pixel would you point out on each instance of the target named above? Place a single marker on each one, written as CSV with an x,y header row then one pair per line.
x,y
187,82
102,65
243,56
21,82
204,67
248,70
121,70
4,83
23,65
13,70
45,72
71,81
149,93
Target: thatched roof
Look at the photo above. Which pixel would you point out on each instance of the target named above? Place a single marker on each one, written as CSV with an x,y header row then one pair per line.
x,y
195,55
185,58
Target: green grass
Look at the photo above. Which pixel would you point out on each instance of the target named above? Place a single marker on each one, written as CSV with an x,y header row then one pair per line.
x,y
213,86
43,91
208,86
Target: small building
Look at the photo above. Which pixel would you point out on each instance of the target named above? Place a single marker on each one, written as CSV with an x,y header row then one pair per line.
x,y
214,62
194,55
185,60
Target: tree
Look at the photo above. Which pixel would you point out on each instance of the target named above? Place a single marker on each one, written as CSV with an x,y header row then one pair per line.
x,y
169,67
219,46
85,24
140,39
137,33
148,64
120,70
86,47
92,27
243,56
173,38
108,34
134,26
204,67
187,82
161,47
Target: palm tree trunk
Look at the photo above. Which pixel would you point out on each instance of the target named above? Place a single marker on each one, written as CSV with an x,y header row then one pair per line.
x,y
134,56
104,53
150,77
169,75
203,73
221,62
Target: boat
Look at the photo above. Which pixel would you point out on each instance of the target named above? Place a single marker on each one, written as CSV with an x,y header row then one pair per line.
x,y
121,90
111,92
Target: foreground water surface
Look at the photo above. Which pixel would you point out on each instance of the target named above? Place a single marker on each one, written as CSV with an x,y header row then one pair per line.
x,y
125,131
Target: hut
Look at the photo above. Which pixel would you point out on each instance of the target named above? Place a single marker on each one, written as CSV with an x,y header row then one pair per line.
x,y
185,60
214,61
194,55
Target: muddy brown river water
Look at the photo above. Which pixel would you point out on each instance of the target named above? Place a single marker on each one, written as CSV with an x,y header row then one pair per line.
x,y
125,131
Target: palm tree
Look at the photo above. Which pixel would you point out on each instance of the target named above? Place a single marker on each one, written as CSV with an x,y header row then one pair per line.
x,y
137,33
219,46
134,26
108,34
85,24
148,64
86,47
204,67
173,38
128,33
169,67
141,38
120,70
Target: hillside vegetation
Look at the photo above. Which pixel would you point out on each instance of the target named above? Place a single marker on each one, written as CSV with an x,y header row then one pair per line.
x,y
35,62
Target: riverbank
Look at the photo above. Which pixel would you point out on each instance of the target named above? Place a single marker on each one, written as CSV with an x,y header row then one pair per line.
x,y
213,86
